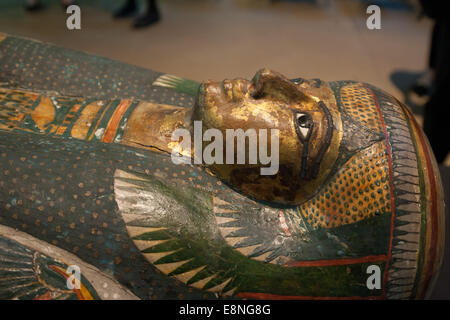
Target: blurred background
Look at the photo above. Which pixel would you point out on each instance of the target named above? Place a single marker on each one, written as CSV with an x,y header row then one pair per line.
x,y
218,39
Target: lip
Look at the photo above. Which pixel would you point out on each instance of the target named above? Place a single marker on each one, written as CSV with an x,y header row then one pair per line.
x,y
229,88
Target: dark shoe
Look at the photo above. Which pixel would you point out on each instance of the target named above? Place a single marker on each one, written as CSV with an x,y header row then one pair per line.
x,y
146,20
422,86
420,89
34,7
128,10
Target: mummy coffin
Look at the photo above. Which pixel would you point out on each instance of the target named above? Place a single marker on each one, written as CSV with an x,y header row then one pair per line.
x,y
145,185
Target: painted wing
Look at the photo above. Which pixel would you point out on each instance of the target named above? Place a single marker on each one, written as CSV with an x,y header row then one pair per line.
x,y
26,274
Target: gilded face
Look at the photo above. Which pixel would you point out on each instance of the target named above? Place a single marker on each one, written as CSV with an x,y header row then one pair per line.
x,y
270,101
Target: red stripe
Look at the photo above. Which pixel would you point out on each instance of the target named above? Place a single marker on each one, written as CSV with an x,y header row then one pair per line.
x,y
434,218
391,187
113,124
269,296
336,262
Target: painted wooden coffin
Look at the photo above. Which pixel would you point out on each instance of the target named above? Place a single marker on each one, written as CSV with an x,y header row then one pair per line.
x,y
87,183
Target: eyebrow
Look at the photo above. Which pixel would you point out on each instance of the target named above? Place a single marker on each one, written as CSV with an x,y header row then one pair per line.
x,y
329,134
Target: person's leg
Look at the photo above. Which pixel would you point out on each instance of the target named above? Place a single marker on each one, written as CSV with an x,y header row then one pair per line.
x,y
436,124
129,9
434,46
423,85
150,16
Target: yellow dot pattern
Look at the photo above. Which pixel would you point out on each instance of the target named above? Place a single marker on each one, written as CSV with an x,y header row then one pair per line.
x,y
358,191
360,105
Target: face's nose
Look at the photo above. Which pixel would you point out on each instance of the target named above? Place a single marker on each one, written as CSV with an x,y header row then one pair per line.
x,y
268,83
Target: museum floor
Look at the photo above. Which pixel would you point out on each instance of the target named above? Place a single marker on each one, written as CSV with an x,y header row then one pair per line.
x,y
217,39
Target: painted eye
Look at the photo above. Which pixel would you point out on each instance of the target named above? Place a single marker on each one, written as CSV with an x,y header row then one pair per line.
x,y
303,120
304,125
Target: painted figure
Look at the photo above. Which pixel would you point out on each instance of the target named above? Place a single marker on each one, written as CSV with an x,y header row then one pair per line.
x,y
88,184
